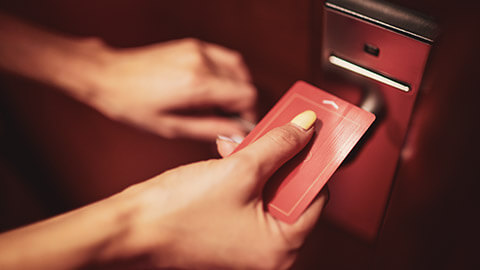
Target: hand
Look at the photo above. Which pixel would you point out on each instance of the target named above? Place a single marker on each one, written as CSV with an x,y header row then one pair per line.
x,y
207,215
210,215
161,88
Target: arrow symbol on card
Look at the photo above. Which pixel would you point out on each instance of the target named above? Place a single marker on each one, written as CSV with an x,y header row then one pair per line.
x,y
330,102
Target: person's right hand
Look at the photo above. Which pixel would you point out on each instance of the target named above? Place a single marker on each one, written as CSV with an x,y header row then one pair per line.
x,y
161,88
211,215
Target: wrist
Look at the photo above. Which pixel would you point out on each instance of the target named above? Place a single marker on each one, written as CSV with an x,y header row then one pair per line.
x,y
137,208
88,237
87,62
70,64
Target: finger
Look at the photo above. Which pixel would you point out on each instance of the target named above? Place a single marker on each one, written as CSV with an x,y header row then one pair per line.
x,y
219,92
298,231
276,147
231,96
226,145
228,62
247,124
203,128
249,118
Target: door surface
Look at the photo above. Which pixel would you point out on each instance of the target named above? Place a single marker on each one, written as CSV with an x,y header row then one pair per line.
x,y
78,157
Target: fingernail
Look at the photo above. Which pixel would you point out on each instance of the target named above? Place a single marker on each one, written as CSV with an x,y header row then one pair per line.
x,y
237,139
234,138
305,120
225,138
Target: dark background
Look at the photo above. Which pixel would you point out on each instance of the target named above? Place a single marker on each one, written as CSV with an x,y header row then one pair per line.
x,y
57,154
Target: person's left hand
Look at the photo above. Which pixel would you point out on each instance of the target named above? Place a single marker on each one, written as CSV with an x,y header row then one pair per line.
x,y
164,87
211,214
205,215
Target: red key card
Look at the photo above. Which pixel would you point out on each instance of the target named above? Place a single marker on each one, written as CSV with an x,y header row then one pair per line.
x,y
338,128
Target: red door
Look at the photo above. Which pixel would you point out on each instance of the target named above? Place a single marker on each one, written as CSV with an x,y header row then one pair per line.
x,y
62,154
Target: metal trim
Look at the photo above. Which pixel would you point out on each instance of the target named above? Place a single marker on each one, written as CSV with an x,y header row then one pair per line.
x,y
378,22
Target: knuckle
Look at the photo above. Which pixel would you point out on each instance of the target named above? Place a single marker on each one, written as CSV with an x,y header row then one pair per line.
x,y
237,57
196,59
196,45
192,42
251,94
193,51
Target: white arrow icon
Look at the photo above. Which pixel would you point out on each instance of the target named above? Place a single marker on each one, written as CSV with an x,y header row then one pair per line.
x,y
330,102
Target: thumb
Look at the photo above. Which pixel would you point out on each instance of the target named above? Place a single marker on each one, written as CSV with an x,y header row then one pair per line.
x,y
280,144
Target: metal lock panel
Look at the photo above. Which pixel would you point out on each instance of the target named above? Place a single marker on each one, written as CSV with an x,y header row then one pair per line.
x,y
374,54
